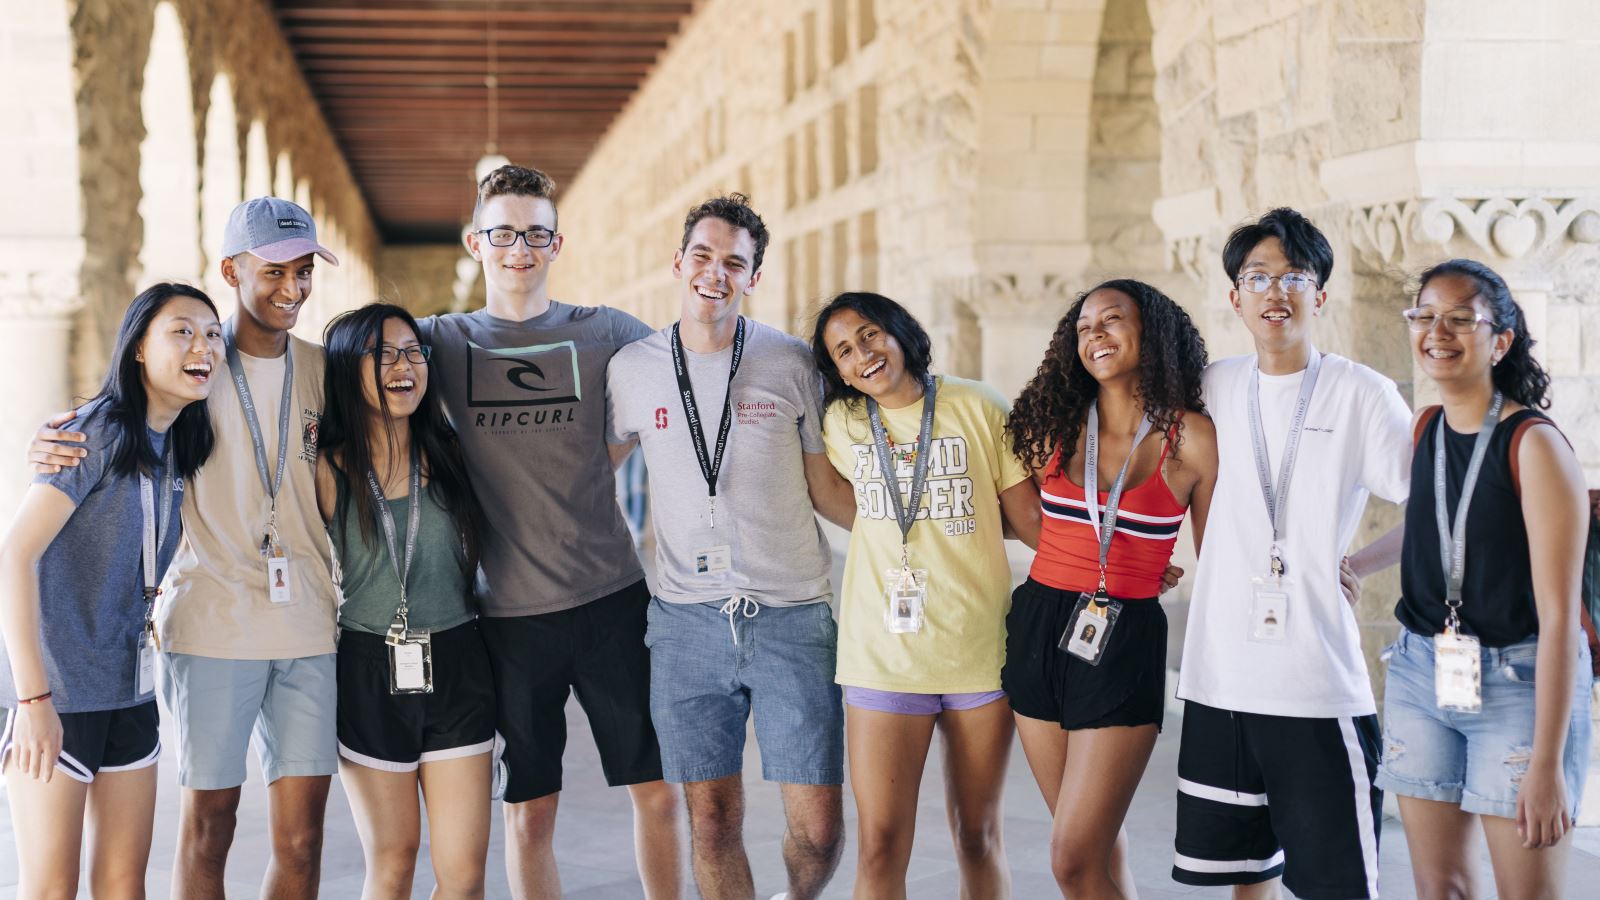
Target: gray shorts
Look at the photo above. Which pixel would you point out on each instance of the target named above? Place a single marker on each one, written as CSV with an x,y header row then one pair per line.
x,y
288,704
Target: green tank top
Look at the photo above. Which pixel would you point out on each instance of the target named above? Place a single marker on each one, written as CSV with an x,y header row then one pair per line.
x,y
439,592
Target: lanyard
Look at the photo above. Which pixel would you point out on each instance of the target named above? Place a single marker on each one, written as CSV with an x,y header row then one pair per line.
x,y
1453,541
1278,498
402,565
905,515
710,466
242,387
1105,524
153,536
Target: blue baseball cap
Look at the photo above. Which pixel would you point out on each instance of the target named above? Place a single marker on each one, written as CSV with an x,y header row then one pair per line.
x,y
273,229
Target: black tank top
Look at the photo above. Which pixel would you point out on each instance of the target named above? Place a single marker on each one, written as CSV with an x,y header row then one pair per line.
x,y
1497,590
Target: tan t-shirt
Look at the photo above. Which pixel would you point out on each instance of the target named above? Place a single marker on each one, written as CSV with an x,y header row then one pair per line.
x,y
216,601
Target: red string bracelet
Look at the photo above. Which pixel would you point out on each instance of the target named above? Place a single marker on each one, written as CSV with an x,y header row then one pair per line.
x,y
39,699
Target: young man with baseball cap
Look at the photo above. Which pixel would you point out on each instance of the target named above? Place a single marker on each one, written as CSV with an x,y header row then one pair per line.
x,y
248,616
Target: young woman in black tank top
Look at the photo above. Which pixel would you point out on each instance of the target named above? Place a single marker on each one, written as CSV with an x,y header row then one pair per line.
x,y
1517,762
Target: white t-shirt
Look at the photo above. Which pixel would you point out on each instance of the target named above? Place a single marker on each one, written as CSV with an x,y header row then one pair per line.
x,y
1356,441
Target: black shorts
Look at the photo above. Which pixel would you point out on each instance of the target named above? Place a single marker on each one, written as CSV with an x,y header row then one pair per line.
x,y
1261,796
1128,687
107,740
397,732
596,651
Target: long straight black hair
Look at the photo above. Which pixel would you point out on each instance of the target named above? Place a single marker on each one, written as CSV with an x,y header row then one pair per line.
x,y
350,338
124,402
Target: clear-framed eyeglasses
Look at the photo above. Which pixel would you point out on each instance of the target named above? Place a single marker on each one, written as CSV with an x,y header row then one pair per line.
x,y
416,354
1291,282
536,238
1457,321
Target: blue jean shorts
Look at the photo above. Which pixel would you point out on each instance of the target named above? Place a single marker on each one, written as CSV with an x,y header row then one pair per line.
x,y
1475,760
711,669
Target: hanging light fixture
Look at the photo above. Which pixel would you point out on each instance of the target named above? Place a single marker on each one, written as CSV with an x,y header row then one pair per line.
x,y
492,158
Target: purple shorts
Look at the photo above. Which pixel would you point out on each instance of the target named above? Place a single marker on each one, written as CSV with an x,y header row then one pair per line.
x,y
907,704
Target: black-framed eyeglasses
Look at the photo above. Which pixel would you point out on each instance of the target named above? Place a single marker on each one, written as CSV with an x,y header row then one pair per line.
x,y
417,354
1458,321
536,238
1291,282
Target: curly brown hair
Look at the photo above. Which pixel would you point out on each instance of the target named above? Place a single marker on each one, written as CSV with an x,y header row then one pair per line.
x,y
1051,410
517,181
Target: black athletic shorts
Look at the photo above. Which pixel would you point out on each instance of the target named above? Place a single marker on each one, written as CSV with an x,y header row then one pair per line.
x,y
596,651
107,740
1128,687
1261,796
397,732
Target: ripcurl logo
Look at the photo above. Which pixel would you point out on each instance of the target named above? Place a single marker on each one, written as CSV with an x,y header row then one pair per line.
x,y
542,375
661,418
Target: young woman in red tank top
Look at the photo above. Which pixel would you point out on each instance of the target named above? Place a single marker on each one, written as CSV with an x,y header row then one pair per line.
x,y
1086,643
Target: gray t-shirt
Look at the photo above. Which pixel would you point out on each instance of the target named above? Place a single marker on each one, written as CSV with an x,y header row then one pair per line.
x,y
776,554
91,580
528,400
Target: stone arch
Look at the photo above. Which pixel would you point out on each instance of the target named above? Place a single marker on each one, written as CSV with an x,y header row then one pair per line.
x,y
257,162
221,186
169,170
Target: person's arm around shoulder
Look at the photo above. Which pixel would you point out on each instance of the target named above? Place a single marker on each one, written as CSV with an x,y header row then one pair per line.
x,y
51,448
1555,513
36,736
831,495
619,444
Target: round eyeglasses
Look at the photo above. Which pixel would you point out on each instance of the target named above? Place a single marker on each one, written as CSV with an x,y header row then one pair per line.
x,y
1291,282
536,238
1457,321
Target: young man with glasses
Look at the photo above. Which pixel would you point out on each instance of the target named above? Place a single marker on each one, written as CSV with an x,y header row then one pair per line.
x,y
729,415
248,617
561,592
1280,732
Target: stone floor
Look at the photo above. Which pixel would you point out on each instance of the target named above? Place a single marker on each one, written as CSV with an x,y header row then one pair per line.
x,y
594,828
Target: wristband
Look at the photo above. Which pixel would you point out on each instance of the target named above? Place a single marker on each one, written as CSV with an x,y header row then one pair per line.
x,y
39,699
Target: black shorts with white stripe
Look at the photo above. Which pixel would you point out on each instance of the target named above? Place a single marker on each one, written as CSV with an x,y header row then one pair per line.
x,y
106,740
1262,796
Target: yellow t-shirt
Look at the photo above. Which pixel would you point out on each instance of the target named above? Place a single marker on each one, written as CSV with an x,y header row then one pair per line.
x,y
957,538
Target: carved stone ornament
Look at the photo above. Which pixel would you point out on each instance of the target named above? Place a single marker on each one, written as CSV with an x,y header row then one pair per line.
x,y
1391,234
1011,294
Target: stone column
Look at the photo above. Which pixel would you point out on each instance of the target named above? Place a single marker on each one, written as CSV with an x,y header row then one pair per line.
x,y
36,310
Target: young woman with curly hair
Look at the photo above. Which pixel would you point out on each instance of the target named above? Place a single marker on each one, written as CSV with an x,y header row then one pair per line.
x,y
1506,607
1116,403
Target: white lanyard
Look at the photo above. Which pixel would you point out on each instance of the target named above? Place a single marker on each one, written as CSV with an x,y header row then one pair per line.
x,y
1105,524
1278,498
270,483
1453,541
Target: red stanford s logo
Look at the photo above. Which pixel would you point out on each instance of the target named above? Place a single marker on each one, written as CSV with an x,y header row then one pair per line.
x,y
661,418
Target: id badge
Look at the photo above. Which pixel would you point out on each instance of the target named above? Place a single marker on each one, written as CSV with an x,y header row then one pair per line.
x,y
1090,625
144,678
713,560
907,595
1457,673
278,578
1269,609
411,666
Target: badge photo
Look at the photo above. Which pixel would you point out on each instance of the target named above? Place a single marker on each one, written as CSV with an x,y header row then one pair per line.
x,y
278,579
1269,609
1093,618
906,594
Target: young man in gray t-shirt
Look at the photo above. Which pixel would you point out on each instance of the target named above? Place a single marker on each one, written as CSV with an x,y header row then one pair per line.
x,y
728,413
561,591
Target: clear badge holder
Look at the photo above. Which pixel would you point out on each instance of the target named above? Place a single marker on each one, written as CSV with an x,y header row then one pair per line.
x,y
410,659
1269,608
144,681
1090,626
1457,669
906,596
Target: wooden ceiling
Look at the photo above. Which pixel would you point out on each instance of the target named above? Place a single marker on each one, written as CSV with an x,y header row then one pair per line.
x,y
402,83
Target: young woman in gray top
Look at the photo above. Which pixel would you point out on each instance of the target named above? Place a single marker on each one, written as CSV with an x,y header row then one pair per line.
x,y
416,700
78,576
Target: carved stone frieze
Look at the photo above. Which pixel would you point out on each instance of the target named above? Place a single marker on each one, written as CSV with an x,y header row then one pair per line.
x,y
1413,232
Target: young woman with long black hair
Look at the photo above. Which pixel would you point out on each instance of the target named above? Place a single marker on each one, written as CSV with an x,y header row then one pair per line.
x,y
416,701
79,571
1115,404
922,608
1486,709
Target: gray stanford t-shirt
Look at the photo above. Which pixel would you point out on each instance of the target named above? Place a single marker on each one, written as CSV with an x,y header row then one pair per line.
x,y
529,402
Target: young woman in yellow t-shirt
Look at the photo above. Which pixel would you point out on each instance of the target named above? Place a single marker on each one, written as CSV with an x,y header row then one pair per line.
x,y
926,586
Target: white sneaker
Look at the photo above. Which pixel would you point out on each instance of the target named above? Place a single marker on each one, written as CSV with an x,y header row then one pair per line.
x,y
782,896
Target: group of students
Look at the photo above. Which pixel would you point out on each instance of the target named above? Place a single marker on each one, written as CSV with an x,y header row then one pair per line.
x,y
401,552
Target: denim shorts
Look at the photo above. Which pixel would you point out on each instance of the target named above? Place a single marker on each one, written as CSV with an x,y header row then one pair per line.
x,y
908,704
1476,760
714,665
